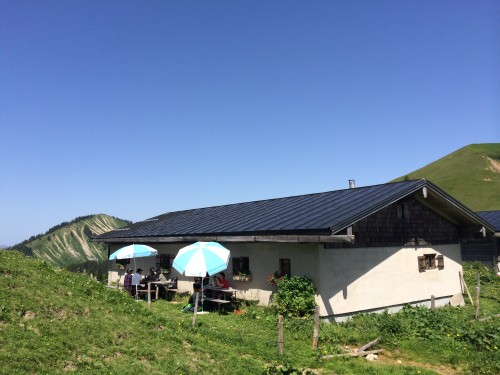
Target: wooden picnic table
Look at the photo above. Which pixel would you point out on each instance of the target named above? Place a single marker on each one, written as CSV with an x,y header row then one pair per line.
x,y
225,292
166,284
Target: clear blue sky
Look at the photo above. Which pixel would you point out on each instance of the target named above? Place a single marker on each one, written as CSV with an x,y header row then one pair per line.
x,y
137,108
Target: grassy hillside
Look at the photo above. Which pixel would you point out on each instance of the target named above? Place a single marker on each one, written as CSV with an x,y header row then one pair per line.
x,y
69,243
61,322
470,174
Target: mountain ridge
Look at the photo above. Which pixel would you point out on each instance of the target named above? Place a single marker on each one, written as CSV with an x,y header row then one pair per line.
x,y
69,243
470,174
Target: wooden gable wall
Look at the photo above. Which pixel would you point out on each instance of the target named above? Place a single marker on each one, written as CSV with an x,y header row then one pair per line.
x,y
406,223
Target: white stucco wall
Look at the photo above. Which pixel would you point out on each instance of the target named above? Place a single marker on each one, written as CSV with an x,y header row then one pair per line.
x,y
369,278
347,280
264,260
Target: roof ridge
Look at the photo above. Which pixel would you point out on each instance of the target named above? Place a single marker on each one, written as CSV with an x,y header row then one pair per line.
x,y
282,198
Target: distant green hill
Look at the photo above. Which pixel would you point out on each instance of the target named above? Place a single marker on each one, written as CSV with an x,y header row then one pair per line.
x,y
470,174
69,243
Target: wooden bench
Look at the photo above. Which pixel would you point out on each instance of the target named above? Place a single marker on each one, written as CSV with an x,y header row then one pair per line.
x,y
167,289
219,302
216,300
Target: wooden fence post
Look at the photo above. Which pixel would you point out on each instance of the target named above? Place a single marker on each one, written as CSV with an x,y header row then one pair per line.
x,y
316,327
195,309
465,285
149,295
478,289
280,335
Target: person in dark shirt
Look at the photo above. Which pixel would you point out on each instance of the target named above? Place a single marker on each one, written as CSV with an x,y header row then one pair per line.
x,y
127,281
153,276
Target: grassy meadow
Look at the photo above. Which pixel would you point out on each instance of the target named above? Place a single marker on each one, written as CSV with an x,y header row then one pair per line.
x,y
470,174
56,322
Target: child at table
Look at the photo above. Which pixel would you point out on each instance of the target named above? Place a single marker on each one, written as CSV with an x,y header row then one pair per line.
x,y
223,283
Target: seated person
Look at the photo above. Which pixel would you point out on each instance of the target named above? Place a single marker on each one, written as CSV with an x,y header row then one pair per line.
x,y
174,282
162,293
160,276
192,299
213,281
137,280
153,276
222,283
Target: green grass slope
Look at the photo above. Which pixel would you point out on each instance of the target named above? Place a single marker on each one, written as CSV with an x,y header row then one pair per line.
x,y
69,243
470,174
53,321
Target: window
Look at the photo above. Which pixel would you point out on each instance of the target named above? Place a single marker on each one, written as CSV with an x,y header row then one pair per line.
x,y
164,261
285,267
241,265
430,261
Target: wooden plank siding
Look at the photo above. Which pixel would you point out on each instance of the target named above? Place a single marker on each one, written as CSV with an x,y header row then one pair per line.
x,y
484,250
405,223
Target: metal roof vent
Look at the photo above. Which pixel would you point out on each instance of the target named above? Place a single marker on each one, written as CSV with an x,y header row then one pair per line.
x,y
352,184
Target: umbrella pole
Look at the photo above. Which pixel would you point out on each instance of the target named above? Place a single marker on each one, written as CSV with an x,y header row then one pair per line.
x,y
202,296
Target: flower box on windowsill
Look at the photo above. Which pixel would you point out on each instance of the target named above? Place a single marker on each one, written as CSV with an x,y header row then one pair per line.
x,y
242,277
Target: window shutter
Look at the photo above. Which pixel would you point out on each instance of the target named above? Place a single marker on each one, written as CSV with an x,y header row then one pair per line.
x,y
235,265
440,261
421,264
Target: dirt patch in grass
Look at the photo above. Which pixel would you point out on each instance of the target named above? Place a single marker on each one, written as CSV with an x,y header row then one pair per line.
x,y
394,358
28,315
397,359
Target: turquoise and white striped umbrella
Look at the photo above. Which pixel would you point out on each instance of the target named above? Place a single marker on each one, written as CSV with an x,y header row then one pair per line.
x,y
201,258
133,251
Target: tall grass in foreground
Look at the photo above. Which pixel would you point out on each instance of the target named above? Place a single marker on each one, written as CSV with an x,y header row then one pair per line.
x,y
53,321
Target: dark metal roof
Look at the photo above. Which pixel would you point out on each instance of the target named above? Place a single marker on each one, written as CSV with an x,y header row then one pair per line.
x,y
492,217
312,214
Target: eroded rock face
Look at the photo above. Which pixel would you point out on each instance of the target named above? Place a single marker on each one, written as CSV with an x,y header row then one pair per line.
x,y
494,165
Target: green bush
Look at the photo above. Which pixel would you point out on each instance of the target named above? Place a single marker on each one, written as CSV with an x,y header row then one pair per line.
x,y
481,335
295,296
390,325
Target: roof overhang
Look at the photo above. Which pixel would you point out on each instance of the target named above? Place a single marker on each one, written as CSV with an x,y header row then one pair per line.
x,y
443,204
235,239
437,200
